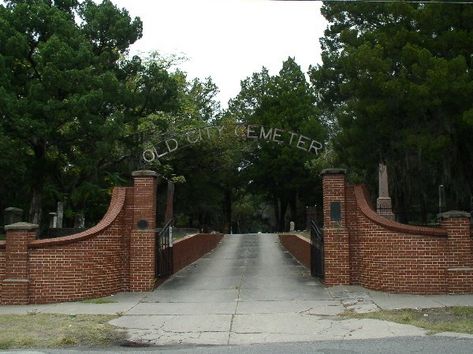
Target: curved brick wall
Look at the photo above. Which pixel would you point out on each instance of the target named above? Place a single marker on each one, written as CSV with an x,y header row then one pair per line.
x,y
362,247
298,246
361,196
86,265
395,257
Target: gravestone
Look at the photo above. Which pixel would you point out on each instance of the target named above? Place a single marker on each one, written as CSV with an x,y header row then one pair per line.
x,y
60,214
79,221
12,215
383,203
292,226
52,220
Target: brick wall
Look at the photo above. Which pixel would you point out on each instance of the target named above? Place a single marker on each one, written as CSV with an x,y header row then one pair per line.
x,y
298,246
388,256
398,258
82,269
354,237
2,266
16,281
336,235
117,254
188,249
142,237
86,265
2,261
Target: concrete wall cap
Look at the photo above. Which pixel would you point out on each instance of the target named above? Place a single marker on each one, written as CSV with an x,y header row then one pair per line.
x,y
333,171
18,210
21,226
144,173
454,214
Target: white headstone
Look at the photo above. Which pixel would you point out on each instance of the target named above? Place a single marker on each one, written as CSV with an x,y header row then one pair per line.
x,y
60,214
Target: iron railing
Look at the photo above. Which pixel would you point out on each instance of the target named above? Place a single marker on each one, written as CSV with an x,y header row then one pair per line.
x,y
164,254
317,250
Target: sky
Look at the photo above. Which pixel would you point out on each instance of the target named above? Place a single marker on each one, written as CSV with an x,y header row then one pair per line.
x,y
229,39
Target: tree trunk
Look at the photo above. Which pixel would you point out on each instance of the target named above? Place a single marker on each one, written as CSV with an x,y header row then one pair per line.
x,y
293,209
227,210
35,207
201,221
169,214
37,178
276,212
281,214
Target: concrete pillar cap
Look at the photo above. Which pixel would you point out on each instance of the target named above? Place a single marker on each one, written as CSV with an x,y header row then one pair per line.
x,y
21,226
144,173
333,171
454,214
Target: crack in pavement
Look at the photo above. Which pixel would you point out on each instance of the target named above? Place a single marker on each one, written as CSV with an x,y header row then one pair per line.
x,y
185,332
242,277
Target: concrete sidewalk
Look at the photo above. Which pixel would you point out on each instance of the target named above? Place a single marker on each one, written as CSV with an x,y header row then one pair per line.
x,y
249,290
351,297
119,304
363,300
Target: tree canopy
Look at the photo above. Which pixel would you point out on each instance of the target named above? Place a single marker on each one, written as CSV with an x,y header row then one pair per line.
x,y
279,171
396,83
76,110
74,104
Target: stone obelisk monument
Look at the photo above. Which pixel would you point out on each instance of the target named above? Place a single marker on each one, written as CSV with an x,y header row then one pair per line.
x,y
383,203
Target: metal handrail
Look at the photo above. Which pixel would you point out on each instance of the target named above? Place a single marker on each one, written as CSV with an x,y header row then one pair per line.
x,y
167,225
315,228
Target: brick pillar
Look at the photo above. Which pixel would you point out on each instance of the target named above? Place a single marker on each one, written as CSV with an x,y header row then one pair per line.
x,y
459,251
336,237
142,239
15,285
457,224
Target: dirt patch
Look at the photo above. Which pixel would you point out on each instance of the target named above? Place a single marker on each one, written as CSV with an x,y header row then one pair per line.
x,y
58,331
443,319
101,300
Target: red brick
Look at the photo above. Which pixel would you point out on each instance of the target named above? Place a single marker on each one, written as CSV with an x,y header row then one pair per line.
x,y
388,256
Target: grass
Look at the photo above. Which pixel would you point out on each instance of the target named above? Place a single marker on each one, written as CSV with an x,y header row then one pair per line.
x,y
444,319
101,300
57,331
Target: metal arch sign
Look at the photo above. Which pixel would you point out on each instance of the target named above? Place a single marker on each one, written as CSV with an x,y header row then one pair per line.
x,y
247,132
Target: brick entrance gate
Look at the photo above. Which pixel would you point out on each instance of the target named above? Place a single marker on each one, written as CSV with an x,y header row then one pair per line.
x,y
117,254
362,247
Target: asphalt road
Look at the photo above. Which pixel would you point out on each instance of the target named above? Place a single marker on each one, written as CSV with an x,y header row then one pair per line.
x,y
431,344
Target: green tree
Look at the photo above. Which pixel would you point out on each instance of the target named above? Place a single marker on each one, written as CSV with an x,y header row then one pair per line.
x,y
13,164
197,168
396,81
284,101
59,84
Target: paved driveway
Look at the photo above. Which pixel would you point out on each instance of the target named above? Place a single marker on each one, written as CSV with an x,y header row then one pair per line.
x,y
248,290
